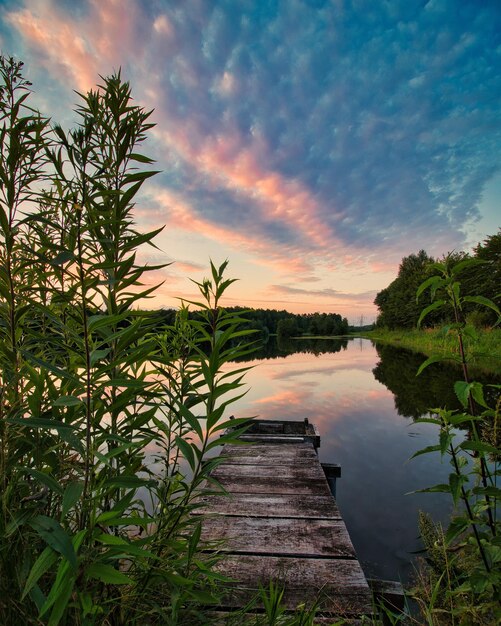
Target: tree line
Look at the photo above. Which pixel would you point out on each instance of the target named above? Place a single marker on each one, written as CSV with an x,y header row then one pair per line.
x,y
397,303
281,323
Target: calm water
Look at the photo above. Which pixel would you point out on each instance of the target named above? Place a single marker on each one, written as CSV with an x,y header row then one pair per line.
x,y
363,400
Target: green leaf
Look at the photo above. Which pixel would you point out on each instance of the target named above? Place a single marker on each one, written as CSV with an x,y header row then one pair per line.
x,y
456,482
462,390
457,526
128,482
63,257
56,537
71,495
40,422
477,391
107,574
67,401
45,479
493,554
432,307
427,420
62,598
442,488
43,563
98,355
428,362
191,418
445,439
483,302
187,451
125,547
140,158
459,267
479,446
433,281
479,581
491,492
426,450
462,418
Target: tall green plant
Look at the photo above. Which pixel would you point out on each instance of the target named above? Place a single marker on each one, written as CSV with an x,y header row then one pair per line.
x,y
473,539
91,532
23,140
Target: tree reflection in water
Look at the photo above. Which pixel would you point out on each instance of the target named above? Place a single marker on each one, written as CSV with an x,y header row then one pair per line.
x,y
416,395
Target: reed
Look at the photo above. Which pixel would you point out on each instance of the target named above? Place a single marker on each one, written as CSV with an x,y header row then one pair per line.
x,y
92,530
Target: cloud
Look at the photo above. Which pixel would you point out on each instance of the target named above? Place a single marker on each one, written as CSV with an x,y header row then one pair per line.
x,y
333,130
311,137
327,292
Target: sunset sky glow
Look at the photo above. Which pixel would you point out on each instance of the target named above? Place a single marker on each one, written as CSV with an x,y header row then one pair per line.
x,y
313,143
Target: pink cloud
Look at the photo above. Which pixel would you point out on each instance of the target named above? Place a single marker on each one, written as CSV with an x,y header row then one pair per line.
x,y
97,44
181,214
228,161
49,36
102,40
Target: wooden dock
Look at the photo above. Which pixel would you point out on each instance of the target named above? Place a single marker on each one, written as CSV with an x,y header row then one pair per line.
x,y
281,523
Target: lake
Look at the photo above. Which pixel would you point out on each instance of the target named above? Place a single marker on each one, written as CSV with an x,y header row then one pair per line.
x,y
364,400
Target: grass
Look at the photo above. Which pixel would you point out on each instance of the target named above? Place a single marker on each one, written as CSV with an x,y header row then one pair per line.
x,y
483,346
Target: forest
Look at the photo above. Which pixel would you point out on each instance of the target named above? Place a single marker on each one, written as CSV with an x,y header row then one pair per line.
x,y
399,308
273,322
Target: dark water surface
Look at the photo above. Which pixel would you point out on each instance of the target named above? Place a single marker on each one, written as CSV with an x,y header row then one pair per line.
x,y
364,400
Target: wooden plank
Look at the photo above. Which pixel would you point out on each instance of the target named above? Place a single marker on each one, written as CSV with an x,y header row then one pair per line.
x,y
272,485
266,505
261,455
288,472
274,536
263,451
340,584
280,523
281,439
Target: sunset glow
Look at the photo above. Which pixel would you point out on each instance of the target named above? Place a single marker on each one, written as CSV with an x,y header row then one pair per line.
x,y
313,144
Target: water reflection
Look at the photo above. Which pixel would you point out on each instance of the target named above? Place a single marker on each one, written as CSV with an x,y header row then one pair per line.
x,y
357,395
277,349
415,395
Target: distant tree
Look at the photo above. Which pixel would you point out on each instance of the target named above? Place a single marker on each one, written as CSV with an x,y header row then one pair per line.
x,y
485,279
397,303
287,327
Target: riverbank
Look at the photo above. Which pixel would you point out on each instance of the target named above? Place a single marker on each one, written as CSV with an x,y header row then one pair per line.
x,y
484,351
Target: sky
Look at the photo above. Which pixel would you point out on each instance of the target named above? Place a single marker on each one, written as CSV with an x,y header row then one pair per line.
x,y
312,143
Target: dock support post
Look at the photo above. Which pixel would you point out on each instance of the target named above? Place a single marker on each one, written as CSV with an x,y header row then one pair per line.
x,y
332,471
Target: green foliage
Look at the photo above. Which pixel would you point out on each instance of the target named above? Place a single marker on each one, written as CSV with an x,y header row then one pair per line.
x,y
482,346
396,304
413,396
465,586
287,328
480,280
92,529
267,322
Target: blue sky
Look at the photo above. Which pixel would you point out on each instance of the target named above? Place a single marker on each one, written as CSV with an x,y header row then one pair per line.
x,y
312,143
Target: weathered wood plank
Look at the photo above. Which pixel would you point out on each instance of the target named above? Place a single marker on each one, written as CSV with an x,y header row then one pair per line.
x,y
281,523
290,472
272,485
287,536
262,455
280,439
266,505
340,584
